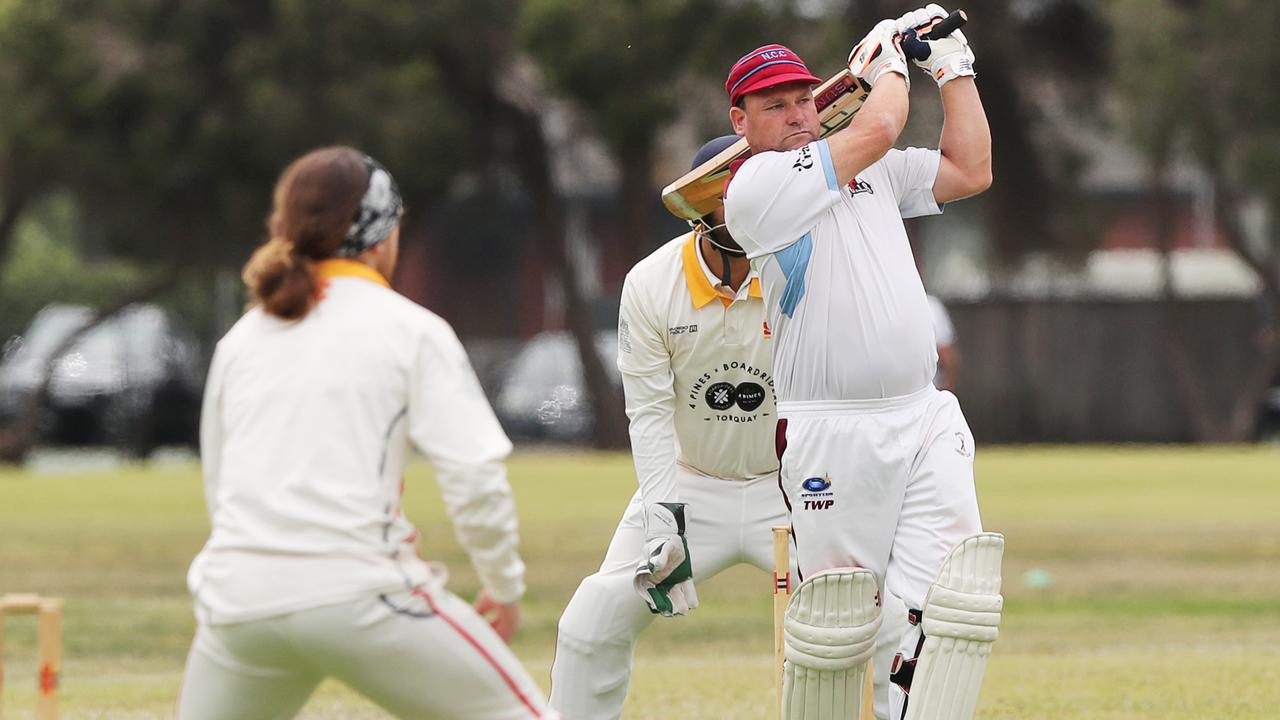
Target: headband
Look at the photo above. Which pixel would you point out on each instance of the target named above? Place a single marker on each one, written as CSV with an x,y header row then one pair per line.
x,y
380,210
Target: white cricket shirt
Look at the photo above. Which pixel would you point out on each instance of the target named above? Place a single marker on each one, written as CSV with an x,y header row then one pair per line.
x,y
845,301
696,372
304,437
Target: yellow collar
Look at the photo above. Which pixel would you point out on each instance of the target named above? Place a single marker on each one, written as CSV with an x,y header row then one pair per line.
x,y
342,267
700,288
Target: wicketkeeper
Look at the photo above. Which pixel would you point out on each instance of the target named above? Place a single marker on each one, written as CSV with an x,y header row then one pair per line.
x,y
694,350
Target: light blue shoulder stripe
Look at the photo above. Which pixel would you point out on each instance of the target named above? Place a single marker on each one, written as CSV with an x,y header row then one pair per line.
x,y
828,165
794,262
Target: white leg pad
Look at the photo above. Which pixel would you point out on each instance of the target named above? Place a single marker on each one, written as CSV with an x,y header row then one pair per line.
x,y
961,621
829,632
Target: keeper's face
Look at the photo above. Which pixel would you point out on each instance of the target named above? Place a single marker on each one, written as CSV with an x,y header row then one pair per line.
x,y
777,118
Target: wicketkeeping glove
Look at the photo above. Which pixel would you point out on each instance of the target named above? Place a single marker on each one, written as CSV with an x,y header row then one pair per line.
x,y
664,577
878,53
946,59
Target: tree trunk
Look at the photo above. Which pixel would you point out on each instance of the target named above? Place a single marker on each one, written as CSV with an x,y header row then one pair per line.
x,y
17,441
635,200
1184,373
609,429
13,207
1243,419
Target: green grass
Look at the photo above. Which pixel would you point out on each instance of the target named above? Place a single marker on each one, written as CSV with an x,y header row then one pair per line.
x,y
1164,599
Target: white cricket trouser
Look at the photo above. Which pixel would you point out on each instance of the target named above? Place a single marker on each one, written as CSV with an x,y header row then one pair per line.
x,y
886,485
882,484
727,523
420,653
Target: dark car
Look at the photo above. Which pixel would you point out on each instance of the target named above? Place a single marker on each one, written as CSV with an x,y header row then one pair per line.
x,y
1269,417
133,382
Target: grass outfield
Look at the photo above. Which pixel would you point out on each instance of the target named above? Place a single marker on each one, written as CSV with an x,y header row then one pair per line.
x,y
1163,598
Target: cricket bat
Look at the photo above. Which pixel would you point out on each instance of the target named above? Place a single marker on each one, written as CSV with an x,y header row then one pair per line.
x,y
701,190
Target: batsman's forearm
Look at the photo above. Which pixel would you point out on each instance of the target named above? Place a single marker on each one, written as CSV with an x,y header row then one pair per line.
x,y
966,136
873,130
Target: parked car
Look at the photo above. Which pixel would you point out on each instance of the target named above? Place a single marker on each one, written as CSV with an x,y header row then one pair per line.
x,y
133,382
1269,418
544,395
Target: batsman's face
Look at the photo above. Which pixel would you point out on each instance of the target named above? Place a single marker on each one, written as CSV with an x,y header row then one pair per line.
x,y
777,118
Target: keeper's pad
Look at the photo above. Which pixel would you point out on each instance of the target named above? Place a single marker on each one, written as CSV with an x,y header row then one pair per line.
x,y
828,633
961,621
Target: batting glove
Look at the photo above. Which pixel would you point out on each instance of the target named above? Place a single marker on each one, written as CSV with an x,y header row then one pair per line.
x,y
945,59
878,53
664,577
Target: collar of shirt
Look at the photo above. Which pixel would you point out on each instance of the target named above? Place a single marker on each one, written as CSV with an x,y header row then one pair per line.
x,y
702,282
341,267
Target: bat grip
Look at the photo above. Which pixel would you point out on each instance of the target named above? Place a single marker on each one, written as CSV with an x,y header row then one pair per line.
x,y
914,49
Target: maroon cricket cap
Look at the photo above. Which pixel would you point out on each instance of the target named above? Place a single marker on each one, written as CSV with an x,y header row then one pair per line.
x,y
766,67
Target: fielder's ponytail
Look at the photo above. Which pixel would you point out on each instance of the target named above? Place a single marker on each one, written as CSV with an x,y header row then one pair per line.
x,y
280,280
316,201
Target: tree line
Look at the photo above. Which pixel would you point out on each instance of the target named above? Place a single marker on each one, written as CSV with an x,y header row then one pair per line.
x,y
165,121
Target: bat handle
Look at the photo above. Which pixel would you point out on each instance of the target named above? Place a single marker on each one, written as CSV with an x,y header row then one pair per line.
x,y
914,49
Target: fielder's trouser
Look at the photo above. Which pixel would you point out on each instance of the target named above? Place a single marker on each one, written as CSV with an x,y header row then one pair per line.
x,y
885,485
421,653
728,523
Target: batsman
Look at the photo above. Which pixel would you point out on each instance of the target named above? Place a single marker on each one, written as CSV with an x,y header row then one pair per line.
x,y
876,464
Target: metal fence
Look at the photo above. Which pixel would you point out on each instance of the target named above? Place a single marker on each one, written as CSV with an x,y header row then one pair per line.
x,y
1099,371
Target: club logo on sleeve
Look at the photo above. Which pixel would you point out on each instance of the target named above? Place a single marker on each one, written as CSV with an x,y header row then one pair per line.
x,y
804,159
857,186
817,493
624,336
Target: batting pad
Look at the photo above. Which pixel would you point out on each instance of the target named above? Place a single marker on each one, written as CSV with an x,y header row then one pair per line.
x,y
961,621
829,633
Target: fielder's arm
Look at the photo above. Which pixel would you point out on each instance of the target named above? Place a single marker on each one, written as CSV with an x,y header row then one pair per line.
x,y
450,421
648,387
211,432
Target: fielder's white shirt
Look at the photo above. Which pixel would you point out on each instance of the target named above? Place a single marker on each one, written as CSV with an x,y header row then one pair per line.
x,y
845,301
696,372
304,436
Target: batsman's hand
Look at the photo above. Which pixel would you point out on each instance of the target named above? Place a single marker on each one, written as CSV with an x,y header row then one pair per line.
x,y
878,53
945,59
664,577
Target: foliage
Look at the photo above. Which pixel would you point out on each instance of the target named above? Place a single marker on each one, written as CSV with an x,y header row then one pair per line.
x,y
46,267
223,94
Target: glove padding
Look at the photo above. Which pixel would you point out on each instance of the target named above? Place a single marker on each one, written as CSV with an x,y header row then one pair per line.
x,y
878,53
664,577
945,59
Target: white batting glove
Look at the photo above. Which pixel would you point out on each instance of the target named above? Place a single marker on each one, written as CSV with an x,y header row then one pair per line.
x,y
878,53
664,577
948,58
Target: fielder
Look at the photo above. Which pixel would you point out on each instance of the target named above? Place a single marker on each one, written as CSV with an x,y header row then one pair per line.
x,y
694,350
311,570
877,465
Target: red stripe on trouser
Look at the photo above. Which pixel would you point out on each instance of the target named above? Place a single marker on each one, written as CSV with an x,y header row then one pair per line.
x,y
480,649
